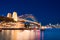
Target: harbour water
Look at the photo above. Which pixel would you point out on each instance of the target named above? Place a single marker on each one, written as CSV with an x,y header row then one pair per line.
x,y
52,34
20,35
47,34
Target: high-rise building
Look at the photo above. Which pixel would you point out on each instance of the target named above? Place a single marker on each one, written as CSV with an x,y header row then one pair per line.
x,y
14,16
9,15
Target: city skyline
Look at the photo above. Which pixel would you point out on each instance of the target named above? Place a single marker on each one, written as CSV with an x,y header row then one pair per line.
x,y
15,14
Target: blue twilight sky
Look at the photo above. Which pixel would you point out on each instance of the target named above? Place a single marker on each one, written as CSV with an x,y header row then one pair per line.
x,y
45,11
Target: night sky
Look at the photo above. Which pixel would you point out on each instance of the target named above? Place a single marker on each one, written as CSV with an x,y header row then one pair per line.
x,y
45,11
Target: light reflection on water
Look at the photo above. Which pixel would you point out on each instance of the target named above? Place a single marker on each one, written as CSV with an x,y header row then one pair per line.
x,y
24,35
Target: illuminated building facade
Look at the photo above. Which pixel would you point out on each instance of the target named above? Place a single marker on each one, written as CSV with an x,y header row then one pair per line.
x,y
17,34
14,16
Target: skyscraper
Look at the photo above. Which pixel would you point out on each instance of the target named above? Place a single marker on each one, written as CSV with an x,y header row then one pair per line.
x,y
14,16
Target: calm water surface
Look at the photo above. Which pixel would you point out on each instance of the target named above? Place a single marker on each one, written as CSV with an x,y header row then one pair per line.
x,y
52,34
47,34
